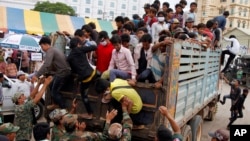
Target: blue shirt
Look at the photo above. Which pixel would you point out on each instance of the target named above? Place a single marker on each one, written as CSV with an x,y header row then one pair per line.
x,y
221,21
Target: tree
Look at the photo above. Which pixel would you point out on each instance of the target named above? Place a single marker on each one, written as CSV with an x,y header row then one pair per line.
x,y
56,8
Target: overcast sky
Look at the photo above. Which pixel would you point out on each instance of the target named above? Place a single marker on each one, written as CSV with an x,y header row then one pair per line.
x,y
173,2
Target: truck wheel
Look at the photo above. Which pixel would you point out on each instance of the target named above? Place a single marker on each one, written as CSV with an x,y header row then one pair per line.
x,y
196,127
38,110
186,133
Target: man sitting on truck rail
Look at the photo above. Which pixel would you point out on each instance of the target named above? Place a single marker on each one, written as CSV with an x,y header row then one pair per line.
x,y
163,133
121,64
159,58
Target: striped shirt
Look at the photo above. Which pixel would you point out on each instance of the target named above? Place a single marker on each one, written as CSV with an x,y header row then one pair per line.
x,y
157,64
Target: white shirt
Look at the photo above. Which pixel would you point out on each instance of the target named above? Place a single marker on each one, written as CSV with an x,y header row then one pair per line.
x,y
8,53
156,29
236,45
187,15
23,86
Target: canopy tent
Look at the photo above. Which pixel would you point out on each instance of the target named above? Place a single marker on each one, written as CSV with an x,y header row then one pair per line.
x,y
33,22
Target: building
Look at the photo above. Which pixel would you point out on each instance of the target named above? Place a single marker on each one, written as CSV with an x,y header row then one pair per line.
x,y
101,9
243,36
239,12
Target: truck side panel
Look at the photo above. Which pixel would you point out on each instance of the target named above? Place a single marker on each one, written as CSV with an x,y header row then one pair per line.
x,y
197,79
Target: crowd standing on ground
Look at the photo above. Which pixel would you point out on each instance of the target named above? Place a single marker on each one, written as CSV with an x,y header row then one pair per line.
x,y
135,53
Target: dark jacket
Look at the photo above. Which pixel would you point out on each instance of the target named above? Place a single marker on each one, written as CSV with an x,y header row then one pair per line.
x,y
79,63
240,102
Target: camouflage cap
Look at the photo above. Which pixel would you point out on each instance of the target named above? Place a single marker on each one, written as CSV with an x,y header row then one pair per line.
x,y
7,128
69,119
57,114
16,96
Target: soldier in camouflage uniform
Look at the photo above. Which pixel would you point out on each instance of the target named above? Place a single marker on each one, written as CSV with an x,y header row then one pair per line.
x,y
74,129
58,129
9,131
23,114
116,131
57,117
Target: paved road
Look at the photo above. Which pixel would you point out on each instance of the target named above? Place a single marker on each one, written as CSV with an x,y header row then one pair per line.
x,y
221,119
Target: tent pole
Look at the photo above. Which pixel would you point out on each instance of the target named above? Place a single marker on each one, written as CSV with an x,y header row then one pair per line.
x,y
20,61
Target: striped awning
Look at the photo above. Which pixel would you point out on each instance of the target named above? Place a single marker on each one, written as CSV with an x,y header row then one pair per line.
x,y
33,22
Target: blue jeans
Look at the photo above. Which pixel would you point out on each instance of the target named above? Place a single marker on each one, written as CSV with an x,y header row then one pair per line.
x,y
225,97
114,73
146,75
55,87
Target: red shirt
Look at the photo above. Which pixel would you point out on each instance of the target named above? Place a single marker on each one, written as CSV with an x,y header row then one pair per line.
x,y
208,33
151,21
103,54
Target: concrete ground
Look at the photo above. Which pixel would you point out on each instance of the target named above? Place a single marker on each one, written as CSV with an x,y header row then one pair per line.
x,y
222,116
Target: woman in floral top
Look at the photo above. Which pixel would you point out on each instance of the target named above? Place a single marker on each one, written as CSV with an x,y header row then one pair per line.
x,y
10,69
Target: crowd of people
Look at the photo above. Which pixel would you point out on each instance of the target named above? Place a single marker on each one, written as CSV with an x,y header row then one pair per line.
x,y
136,52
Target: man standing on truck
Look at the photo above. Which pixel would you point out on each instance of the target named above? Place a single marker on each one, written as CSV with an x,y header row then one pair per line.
x,y
23,115
86,74
163,133
232,51
55,63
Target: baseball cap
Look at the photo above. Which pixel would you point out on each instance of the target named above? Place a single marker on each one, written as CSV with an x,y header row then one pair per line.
x,y
20,73
175,21
189,20
69,119
179,30
7,128
146,5
220,134
16,96
57,114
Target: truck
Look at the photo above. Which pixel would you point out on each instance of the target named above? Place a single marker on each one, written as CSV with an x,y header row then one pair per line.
x,y
190,91
9,88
